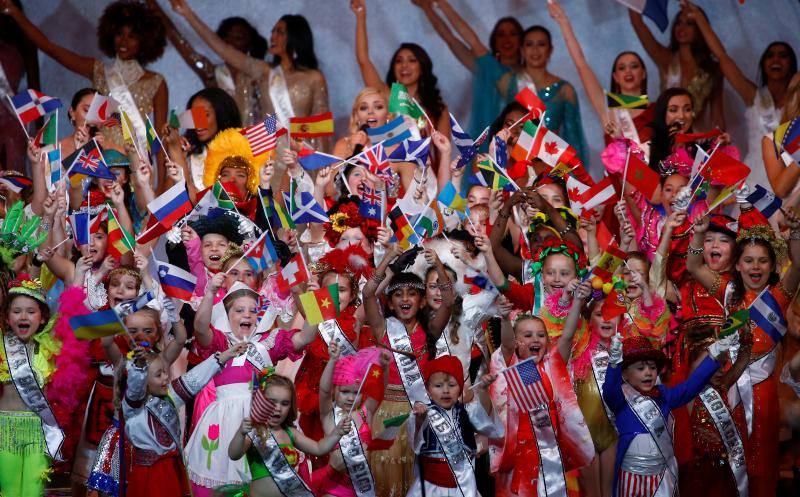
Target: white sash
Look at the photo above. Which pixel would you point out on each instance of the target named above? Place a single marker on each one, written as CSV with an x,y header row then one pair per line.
x,y
282,473
119,91
649,414
355,458
24,379
279,94
166,414
727,430
524,80
258,355
551,473
441,344
626,125
453,448
331,331
599,369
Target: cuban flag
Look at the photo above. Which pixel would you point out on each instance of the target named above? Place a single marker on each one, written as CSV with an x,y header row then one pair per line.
x,y
171,205
30,105
766,312
765,201
464,143
176,282
391,133
264,254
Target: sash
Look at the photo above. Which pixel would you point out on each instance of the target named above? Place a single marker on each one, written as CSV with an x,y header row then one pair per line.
x,y
165,413
551,474
726,428
451,445
441,344
282,473
119,91
21,371
649,414
524,80
626,125
355,459
279,94
599,369
331,331
258,355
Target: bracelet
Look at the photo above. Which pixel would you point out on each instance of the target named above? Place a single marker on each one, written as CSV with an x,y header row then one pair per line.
x,y
45,226
216,358
794,234
378,277
563,232
695,251
504,216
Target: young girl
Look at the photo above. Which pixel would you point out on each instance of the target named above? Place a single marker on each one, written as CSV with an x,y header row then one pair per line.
x,y
269,443
448,470
150,405
647,313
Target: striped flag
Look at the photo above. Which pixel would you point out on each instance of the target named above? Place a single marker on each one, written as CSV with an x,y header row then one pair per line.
x,y
120,242
16,183
97,325
264,254
54,161
171,205
404,234
463,142
450,197
391,428
48,135
429,222
321,305
766,312
176,282
522,149
525,385
194,118
765,201
531,101
787,137
153,141
128,307
263,136
395,131
311,126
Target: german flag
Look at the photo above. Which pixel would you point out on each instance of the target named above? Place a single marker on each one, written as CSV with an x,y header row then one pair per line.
x,y
312,126
403,232
620,101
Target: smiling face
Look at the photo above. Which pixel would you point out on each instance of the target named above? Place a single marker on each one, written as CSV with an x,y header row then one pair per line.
x,y
341,281
433,294
557,271
122,287
405,302
684,29
531,338
553,194
78,114
157,378
126,43
143,327
641,375
443,389
278,38
604,329
282,398
24,317
370,109
629,74
357,180
777,63
755,265
98,245
718,251
354,236
638,266
506,40
345,396
243,272
213,248
207,133
242,316
536,49
406,67
672,185
512,117
680,112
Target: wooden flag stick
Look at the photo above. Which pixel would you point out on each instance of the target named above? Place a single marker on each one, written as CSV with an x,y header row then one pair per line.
x,y
18,118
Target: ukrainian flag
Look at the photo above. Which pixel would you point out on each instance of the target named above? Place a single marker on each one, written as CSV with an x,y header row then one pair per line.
x,y
97,325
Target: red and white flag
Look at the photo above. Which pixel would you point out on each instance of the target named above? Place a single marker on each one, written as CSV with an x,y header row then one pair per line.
x,y
293,273
551,148
194,118
101,109
531,101
601,193
263,136
525,386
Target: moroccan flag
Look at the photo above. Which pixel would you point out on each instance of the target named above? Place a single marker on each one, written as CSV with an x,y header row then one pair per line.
x,y
223,199
492,176
312,126
620,101
153,141
403,232
531,101
321,305
391,428
642,177
120,242
614,305
400,102
609,262
723,169
734,322
48,135
522,149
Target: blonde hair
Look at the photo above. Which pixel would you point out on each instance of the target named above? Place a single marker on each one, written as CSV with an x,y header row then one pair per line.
x,y
792,107
367,91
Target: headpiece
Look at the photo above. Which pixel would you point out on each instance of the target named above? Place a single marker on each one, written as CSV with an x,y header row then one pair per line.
x,y
24,285
445,364
218,221
558,246
231,149
18,236
754,226
352,261
232,252
638,348
125,270
345,215
721,223
405,280
352,368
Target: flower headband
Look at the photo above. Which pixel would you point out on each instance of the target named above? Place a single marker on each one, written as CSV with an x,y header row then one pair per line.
x,y
260,377
557,246
29,287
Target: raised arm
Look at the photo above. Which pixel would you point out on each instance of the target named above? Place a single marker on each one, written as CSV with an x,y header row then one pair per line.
x,y
325,445
369,73
445,312
326,387
658,52
508,341
781,178
694,261
74,62
791,279
582,292
40,194
372,307
202,319
508,262
465,51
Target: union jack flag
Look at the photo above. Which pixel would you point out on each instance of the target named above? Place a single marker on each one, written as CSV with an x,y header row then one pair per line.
x,y
525,385
263,136
376,161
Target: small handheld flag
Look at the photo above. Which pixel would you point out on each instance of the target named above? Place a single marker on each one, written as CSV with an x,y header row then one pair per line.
x,y
400,102
620,101
765,201
321,305
525,385
312,126
98,324
176,282
293,273
263,136
395,131
30,105
404,234
171,205
194,118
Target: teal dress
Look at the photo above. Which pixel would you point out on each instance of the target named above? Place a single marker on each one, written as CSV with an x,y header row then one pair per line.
x,y
486,99
563,115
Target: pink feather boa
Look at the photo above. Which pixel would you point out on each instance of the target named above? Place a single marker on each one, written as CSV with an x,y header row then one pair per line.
x,y
72,363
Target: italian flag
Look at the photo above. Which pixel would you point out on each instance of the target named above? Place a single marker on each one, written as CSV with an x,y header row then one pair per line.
x,y
391,428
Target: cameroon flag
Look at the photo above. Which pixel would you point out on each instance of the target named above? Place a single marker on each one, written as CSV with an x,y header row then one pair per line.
x,y
312,126
620,101
321,305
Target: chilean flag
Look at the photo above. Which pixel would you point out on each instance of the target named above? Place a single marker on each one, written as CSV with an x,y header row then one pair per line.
x,y
171,205
176,282
30,105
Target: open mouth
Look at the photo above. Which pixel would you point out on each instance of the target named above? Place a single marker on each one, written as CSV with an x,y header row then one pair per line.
x,y
714,256
628,79
246,326
23,328
437,301
648,383
756,277
535,349
606,326
776,67
405,308
372,122
214,258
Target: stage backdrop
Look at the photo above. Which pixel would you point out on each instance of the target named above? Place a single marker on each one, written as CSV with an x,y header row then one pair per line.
x,y
602,27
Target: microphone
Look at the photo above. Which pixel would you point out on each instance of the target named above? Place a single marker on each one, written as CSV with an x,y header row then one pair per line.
x,y
359,147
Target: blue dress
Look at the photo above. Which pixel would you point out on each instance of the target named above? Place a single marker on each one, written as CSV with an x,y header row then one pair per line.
x,y
486,99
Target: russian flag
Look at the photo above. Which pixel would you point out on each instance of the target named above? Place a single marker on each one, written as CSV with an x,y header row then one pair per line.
x,y
392,133
171,205
176,282
16,183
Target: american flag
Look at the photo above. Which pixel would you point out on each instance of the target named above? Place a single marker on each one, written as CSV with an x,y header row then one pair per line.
x,y
263,136
525,385
262,407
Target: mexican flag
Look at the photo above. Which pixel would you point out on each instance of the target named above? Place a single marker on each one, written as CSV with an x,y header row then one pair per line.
x,y
391,428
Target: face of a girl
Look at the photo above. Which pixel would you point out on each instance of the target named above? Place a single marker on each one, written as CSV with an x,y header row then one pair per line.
x,y
433,294
282,398
641,375
207,133
78,114
242,316
236,176
24,317
717,251
213,248
239,36
443,389
557,271
345,395
511,118
629,74
553,194
777,63
407,68
680,111
122,287
243,272
277,39
685,29
506,40
604,329
536,49
142,327
343,282
371,110
157,378
121,175
357,180
672,185
354,236
478,195
532,339
97,246
126,43
755,266
634,291
405,302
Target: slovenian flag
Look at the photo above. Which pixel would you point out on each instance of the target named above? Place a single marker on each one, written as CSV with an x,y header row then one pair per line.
x,y
171,205
391,133
656,10
176,282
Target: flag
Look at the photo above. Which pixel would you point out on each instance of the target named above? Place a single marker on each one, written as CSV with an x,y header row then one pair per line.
x,y
221,195
522,149
491,176
265,194
477,283
620,101
371,205
151,231
734,322
390,133
101,109
281,217
48,135
412,151
263,255
551,148
153,141
172,120
54,160
787,136
400,102
614,305
128,307
656,10
391,428
766,313
263,136
500,154
404,234
463,142
450,197
30,105
723,169
724,195
293,273
311,160
430,222
127,128
321,305
610,260
262,408
16,183
98,324
88,161
601,193
176,282
560,171
531,101
304,208
120,242
765,201
311,126
193,118
694,137
642,177
171,205
372,385
375,160
525,385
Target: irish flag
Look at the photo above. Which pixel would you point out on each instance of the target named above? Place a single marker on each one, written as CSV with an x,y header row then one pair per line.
x,y
522,149
391,428
194,118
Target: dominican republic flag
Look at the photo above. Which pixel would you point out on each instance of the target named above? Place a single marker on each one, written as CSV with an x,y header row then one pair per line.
x,y
766,312
303,207
371,205
311,160
656,10
463,142
765,201
176,282
412,151
88,161
171,205
391,133
263,254
101,109
293,273
263,136
30,105
16,183
525,385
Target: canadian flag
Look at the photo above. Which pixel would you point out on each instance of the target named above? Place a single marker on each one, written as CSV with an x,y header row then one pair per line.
x,y
100,109
293,273
601,193
551,148
575,191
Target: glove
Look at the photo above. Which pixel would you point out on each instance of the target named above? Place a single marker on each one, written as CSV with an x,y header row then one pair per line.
x,y
172,311
615,353
722,345
681,201
405,260
742,194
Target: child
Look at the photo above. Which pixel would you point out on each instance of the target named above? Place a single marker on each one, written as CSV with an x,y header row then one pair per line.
x,y
152,425
448,470
269,427
641,409
647,314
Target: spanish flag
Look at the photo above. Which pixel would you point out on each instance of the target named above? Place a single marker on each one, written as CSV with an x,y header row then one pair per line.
x,y
403,232
312,126
321,305
97,325
120,242
620,101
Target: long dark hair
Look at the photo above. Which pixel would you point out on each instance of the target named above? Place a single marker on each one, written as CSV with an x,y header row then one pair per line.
x,y
762,74
76,99
614,85
737,295
700,51
299,42
257,48
225,110
458,307
540,29
493,36
423,316
427,88
500,121
661,143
